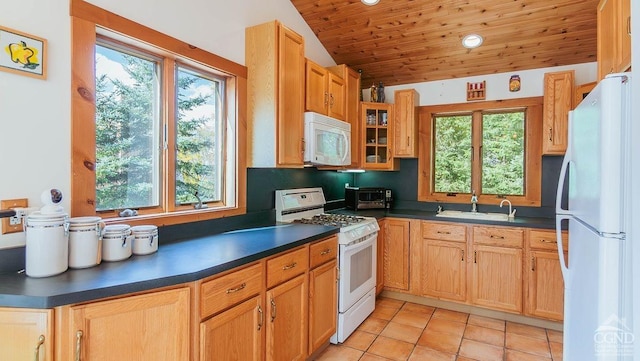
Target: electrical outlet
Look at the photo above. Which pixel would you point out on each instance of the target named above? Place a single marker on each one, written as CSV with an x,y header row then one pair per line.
x,y
13,224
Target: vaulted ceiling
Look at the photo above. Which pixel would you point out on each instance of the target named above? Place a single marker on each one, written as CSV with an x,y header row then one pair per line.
x,y
407,41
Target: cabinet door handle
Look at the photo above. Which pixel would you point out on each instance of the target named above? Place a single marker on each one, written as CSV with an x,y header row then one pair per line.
x,y
551,134
260,317
533,263
40,343
462,251
273,310
408,140
239,288
326,98
547,241
303,144
496,237
475,256
289,266
325,252
331,102
444,232
78,344
629,25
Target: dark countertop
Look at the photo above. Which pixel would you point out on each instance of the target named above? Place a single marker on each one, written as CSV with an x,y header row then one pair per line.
x,y
527,222
174,263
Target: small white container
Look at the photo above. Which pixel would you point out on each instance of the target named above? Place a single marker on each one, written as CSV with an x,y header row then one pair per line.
x,y
116,242
85,241
47,244
145,239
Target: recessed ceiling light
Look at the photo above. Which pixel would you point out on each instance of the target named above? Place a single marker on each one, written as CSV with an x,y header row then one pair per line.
x,y
471,41
370,2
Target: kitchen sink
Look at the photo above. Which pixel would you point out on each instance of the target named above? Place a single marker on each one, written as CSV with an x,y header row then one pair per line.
x,y
474,215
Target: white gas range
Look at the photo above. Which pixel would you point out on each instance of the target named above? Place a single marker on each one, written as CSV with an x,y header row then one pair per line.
x,y
356,257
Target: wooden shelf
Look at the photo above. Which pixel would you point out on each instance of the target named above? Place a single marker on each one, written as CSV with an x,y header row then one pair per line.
x,y
476,91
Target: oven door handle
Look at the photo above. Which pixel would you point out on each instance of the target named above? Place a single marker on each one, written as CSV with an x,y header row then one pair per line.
x,y
355,247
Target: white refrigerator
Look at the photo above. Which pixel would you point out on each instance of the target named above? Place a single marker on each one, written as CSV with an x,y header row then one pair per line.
x,y
597,278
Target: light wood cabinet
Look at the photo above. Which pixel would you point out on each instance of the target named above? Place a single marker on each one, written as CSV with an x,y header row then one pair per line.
x,y
286,319
274,56
614,37
377,136
323,308
582,91
558,101
26,334
396,253
545,285
352,108
496,271
406,117
153,326
443,261
235,334
325,91
380,257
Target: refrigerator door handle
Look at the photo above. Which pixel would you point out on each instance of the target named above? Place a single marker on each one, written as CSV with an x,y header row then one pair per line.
x,y
563,264
566,161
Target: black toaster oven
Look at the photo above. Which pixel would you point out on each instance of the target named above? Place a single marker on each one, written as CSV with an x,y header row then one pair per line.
x,y
358,198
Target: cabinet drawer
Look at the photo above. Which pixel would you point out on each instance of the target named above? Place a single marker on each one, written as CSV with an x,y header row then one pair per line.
x,y
547,240
444,232
496,236
287,266
223,292
323,251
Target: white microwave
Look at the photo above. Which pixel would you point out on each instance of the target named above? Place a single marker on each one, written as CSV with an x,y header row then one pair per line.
x,y
327,140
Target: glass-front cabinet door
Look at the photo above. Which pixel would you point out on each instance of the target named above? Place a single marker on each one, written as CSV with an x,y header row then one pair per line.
x,y
377,136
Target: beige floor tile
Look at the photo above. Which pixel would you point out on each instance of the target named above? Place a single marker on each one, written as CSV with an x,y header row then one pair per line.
x,y
402,332
483,334
513,355
373,325
372,357
384,312
556,351
411,319
414,307
445,342
531,345
360,340
451,315
555,336
462,358
480,351
340,353
389,302
424,353
391,349
486,322
526,330
446,325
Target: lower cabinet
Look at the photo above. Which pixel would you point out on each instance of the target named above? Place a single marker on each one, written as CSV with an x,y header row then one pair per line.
x,y
235,334
286,320
380,258
26,334
153,326
396,254
497,278
323,308
444,270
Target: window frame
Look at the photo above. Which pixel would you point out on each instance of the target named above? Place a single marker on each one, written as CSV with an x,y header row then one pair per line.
x,y
533,150
85,20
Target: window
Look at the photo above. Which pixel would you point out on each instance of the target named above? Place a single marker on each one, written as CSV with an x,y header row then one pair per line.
x,y
490,148
166,136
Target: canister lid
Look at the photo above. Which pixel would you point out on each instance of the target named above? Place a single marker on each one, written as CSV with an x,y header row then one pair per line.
x,y
144,228
84,220
116,230
41,219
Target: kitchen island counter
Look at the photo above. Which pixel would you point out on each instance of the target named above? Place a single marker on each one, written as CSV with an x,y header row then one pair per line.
x,y
174,263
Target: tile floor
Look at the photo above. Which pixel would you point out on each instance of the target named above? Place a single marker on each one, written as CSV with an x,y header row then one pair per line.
x,y
399,330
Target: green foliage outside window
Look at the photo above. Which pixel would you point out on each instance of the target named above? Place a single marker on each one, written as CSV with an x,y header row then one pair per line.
x,y
453,154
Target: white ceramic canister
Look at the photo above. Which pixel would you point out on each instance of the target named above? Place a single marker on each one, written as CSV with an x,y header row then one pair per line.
x,y
85,241
145,239
116,242
47,244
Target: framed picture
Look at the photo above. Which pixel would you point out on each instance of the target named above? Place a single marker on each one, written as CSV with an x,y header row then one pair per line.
x,y
21,53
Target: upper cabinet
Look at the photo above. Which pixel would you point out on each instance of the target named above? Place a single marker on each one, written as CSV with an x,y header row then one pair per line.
x,y
274,56
325,91
406,123
614,36
352,107
377,136
558,101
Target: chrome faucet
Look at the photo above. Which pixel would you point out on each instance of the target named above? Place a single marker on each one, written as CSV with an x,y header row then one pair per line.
x,y
474,202
512,214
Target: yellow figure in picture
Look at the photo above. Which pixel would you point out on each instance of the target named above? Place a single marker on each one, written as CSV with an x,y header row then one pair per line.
x,y
21,53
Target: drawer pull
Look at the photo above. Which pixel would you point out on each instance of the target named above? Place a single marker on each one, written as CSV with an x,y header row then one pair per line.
x,y
289,266
40,342
444,232
533,264
475,256
325,252
546,241
241,287
273,310
78,345
462,251
496,237
260,318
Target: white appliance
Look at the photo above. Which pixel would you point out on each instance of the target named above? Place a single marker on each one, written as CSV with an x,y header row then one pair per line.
x,y
327,140
356,255
597,279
